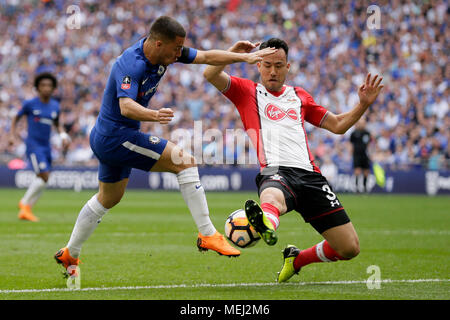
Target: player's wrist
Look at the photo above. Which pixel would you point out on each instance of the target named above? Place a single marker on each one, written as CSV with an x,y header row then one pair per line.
x,y
154,115
364,104
248,57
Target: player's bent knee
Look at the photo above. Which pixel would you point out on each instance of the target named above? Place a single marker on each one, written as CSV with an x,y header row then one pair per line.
x,y
273,197
274,202
189,162
44,176
109,201
350,250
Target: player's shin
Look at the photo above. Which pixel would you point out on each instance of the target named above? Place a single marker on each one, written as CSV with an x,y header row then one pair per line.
x,y
195,198
87,221
321,252
34,191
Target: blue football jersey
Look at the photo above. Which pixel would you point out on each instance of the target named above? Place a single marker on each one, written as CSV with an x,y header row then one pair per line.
x,y
40,117
132,76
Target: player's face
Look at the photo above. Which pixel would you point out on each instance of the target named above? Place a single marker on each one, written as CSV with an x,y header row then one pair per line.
x,y
273,70
170,51
45,88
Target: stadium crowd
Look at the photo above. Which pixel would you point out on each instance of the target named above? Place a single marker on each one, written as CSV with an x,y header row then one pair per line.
x,y
331,50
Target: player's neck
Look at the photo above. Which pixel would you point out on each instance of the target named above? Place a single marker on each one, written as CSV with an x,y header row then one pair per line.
x,y
277,92
44,99
149,53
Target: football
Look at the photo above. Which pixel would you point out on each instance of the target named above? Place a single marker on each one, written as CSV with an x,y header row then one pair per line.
x,y
239,231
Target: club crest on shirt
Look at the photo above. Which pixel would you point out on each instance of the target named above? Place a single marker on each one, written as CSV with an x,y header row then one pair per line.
x,y
154,140
126,83
161,70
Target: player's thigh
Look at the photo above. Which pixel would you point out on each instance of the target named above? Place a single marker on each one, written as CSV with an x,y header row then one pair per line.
x,y
317,203
110,193
343,239
173,159
40,159
142,151
274,187
275,197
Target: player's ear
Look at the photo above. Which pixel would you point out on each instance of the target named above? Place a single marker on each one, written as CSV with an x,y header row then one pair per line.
x,y
288,66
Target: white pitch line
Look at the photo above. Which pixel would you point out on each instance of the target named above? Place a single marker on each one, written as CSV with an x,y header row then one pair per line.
x,y
223,285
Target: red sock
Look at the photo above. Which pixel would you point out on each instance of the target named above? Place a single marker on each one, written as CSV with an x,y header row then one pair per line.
x,y
321,252
272,213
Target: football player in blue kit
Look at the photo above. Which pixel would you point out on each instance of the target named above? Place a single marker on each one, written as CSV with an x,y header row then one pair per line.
x,y
41,112
120,146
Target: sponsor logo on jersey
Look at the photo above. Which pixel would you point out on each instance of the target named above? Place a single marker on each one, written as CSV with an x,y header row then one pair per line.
x,y
291,113
126,83
276,114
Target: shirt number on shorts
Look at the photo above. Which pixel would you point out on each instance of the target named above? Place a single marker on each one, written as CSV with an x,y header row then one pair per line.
x,y
330,195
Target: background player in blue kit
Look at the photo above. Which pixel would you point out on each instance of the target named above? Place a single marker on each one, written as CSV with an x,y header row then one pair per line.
x,y
41,112
120,146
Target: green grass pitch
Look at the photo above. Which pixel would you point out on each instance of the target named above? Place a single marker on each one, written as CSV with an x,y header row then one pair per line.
x,y
145,248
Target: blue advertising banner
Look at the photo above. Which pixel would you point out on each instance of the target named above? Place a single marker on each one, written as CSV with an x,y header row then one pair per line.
x,y
233,179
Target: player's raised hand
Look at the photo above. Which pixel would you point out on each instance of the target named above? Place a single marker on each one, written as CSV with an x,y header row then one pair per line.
x,y
370,89
244,46
165,115
257,56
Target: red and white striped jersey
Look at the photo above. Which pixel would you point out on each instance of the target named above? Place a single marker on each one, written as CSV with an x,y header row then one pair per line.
x,y
274,122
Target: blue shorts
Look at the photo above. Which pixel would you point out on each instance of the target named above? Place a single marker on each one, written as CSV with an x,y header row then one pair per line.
x,y
39,158
119,154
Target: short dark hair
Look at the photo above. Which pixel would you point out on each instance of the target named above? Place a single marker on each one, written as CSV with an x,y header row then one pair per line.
x,y
166,28
45,75
275,43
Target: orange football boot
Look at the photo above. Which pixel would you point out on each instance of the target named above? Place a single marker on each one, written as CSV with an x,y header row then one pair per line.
x,y
64,258
217,243
25,213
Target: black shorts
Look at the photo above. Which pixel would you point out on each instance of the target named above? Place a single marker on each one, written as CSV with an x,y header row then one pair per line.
x,y
361,161
307,193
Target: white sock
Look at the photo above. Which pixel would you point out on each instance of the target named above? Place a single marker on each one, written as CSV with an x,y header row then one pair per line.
x,y
194,196
88,219
34,191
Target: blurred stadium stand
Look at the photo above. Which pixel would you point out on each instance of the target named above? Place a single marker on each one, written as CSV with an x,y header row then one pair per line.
x,y
331,50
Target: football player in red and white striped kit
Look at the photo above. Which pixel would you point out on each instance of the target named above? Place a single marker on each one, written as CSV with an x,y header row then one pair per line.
x,y
273,115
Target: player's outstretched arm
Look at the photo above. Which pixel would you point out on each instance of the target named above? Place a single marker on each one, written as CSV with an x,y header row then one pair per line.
x,y
367,93
215,74
221,57
133,110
